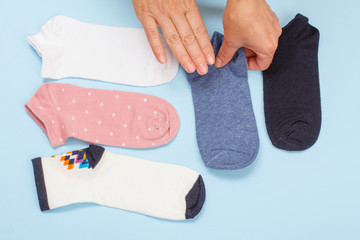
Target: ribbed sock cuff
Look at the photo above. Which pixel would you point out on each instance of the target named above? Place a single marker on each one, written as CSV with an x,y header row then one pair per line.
x,y
40,184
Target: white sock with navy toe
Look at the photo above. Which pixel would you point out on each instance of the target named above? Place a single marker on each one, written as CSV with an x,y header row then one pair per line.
x,y
99,176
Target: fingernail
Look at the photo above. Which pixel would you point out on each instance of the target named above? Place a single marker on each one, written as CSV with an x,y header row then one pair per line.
x,y
162,59
202,69
210,59
218,63
190,67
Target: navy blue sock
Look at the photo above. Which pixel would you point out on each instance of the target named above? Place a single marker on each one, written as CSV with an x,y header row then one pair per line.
x,y
291,88
225,123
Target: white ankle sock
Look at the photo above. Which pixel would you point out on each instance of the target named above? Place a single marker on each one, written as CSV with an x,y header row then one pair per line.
x,y
70,48
99,176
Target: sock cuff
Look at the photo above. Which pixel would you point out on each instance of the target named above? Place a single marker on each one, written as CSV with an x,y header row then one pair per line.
x,y
40,184
94,154
48,36
49,45
41,111
216,41
298,26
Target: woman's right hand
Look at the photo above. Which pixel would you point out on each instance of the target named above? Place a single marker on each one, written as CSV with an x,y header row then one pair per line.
x,y
183,28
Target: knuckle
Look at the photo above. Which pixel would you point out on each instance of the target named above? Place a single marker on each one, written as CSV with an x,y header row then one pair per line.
x,y
264,66
198,59
270,47
141,9
228,43
199,31
208,49
188,39
172,8
184,59
222,55
189,4
156,9
225,51
173,38
152,33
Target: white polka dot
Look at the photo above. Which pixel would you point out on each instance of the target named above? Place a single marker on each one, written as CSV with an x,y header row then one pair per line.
x,y
111,133
99,122
60,139
53,122
113,114
72,118
63,89
129,107
86,111
97,140
74,101
89,94
73,134
139,117
58,109
41,107
155,112
85,129
153,144
149,129
137,137
101,104
123,144
62,126
117,96
125,125
145,99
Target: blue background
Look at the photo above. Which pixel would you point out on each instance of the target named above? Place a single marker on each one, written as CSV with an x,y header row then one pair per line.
x,y
312,194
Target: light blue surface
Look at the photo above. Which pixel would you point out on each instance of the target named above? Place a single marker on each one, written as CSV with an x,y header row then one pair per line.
x,y
283,195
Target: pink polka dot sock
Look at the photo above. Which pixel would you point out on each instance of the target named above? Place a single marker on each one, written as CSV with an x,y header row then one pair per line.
x,y
114,118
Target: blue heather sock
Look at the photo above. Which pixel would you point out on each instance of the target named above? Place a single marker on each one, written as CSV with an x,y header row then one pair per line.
x,y
225,123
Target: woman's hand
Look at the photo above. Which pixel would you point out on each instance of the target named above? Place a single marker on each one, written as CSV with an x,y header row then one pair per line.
x,y
183,28
253,25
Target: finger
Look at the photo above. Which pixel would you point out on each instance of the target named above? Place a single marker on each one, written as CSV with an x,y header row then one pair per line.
x,y
259,62
249,52
194,18
225,54
190,42
174,41
152,34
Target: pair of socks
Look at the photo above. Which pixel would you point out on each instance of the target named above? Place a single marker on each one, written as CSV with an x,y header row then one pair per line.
x,y
225,124
70,48
115,118
96,175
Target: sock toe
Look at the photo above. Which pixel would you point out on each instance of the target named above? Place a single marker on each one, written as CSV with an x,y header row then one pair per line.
x,y
195,198
232,159
297,136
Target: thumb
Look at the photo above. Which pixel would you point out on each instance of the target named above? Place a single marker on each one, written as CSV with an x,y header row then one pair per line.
x,y
259,62
225,54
